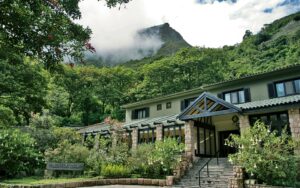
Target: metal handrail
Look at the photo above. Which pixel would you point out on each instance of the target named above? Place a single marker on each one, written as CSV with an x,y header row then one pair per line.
x,y
206,164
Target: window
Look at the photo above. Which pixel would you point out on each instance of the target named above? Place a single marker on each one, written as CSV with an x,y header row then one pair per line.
x,y
168,105
235,97
276,121
174,131
285,88
186,102
159,107
140,113
147,135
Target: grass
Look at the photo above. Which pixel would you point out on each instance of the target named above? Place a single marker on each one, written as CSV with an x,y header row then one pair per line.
x,y
41,180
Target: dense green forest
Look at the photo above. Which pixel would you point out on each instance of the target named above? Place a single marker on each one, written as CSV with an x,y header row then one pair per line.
x,y
80,94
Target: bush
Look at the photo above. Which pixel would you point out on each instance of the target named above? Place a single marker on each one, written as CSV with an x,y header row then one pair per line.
x,y
7,117
167,153
265,155
67,153
156,160
18,153
97,157
138,161
115,171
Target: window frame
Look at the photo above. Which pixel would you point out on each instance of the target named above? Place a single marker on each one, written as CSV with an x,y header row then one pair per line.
x,y
268,119
170,105
135,113
238,95
293,80
159,107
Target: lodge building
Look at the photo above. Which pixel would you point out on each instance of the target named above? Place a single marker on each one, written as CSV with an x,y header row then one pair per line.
x,y
202,118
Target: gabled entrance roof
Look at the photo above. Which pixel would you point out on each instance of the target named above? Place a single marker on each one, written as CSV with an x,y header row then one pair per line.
x,y
207,105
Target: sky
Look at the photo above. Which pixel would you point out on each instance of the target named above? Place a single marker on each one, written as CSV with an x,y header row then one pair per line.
x,y
209,23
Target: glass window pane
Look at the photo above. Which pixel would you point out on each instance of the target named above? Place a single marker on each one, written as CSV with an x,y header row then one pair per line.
x,y
280,90
227,97
297,86
241,96
234,97
289,88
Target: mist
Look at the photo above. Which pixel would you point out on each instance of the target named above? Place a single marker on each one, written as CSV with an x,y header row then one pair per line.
x,y
209,23
116,35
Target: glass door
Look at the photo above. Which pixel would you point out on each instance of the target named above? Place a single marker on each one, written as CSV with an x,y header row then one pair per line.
x,y
206,141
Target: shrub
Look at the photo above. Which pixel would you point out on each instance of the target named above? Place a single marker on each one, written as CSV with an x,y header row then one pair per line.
x,y
17,153
138,161
118,154
7,117
156,160
97,157
167,153
265,155
67,153
115,171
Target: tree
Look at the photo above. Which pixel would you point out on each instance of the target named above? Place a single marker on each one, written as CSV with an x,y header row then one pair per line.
x,y
23,87
45,29
17,153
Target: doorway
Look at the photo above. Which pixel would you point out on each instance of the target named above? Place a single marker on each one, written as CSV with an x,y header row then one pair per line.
x,y
206,140
224,149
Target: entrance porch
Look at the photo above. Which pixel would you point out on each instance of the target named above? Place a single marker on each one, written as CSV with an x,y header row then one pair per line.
x,y
209,121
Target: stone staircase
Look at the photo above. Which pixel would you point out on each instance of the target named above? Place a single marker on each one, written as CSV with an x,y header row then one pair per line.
x,y
218,174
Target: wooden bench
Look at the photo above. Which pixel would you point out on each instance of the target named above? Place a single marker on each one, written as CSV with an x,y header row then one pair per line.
x,y
55,169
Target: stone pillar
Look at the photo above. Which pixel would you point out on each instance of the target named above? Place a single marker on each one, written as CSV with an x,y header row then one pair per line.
x,y
114,138
294,120
134,136
238,178
96,143
159,132
189,139
244,123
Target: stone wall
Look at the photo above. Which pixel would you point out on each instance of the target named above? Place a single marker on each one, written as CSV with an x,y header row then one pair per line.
x,y
95,182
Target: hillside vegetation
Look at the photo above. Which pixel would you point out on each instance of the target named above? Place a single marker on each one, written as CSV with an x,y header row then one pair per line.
x,y
86,94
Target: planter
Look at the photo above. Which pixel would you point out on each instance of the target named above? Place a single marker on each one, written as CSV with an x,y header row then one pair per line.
x,y
250,181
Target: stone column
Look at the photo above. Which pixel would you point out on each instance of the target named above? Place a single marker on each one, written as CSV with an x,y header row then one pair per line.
x,y
96,143
159,132
114,138
134,136
294,120
189,139
237,181
244,123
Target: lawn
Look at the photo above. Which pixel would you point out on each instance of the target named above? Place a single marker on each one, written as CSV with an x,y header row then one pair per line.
x,y
41,180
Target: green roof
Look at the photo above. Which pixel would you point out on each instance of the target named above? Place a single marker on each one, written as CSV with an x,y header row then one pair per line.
x,y
270,102
198,90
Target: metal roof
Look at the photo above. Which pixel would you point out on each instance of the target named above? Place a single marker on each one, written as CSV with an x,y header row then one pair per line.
x,y
270,102
95,128
165,120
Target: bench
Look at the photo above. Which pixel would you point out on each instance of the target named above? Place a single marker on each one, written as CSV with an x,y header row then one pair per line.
x,y
55,169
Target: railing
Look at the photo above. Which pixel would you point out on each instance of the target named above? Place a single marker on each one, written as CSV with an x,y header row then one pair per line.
x,y
206,164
